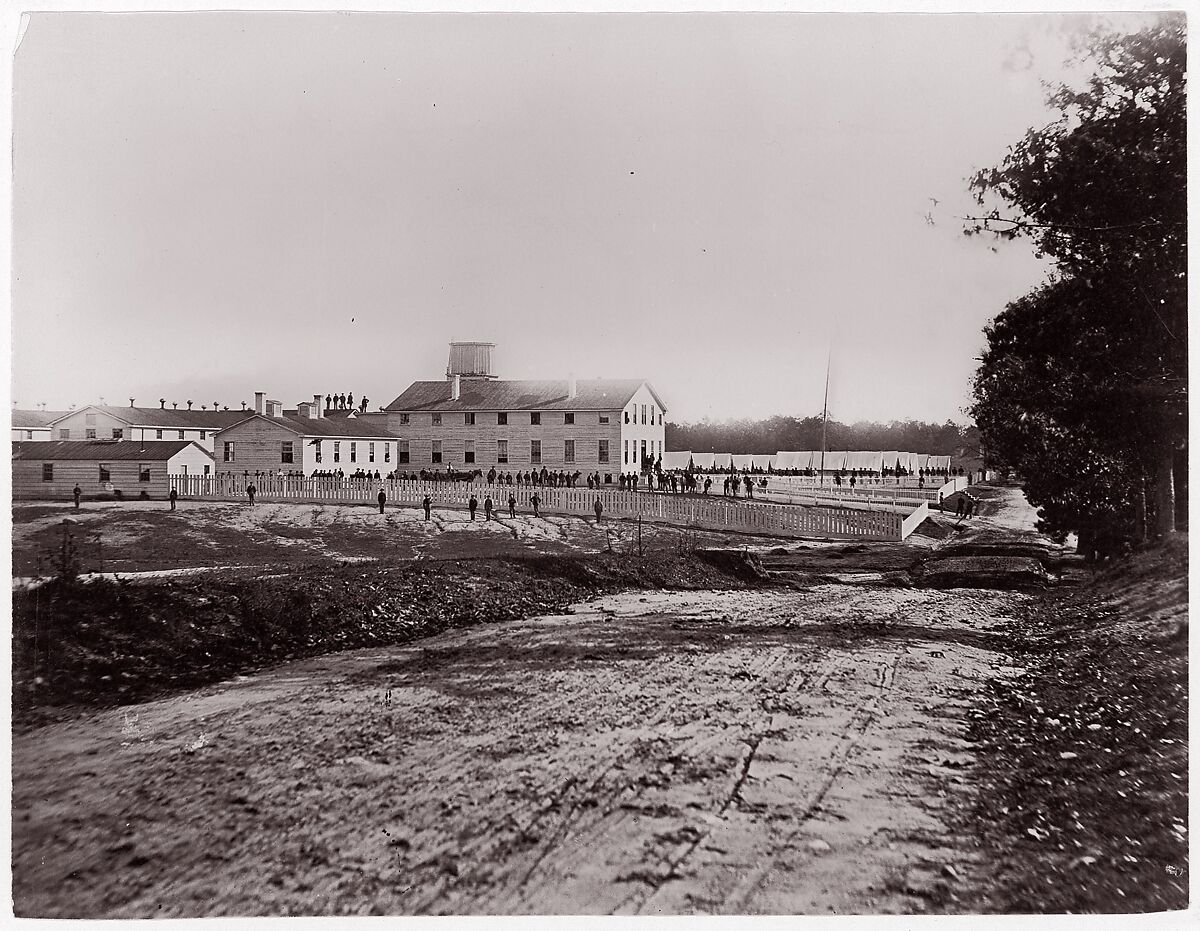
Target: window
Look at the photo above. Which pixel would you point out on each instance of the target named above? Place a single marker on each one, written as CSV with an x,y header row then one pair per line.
x,y
353,451
228,455
603,454
64,434
436,455
502,419
643,451
105,474
29,434
404,420
652,415
285,451
202,435
47,471
118,433
502,450
370,452
633,454
89,420
643,418
469,451
604,418
436,420
317,444
627,449
569,418
568,451
143,471
535,451
89,433
469,419
337,451
627,416
535,419
387,452
660,418
181,435
206,470
402,452
158,434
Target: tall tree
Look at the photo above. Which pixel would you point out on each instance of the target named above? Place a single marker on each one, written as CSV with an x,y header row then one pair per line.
x,y
1095,363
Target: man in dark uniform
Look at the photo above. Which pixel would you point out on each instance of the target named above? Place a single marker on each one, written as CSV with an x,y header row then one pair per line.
x,y
599,510
173,496
535,501
472,505
427,503
512,506
250,493
77,492
382,497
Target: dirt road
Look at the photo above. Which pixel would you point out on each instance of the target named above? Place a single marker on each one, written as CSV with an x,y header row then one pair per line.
x,y
677,752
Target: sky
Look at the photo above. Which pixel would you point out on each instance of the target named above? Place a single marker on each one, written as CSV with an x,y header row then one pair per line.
x,y
206,205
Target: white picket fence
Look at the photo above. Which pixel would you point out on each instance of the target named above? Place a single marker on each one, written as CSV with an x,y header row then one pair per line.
x,y
705,512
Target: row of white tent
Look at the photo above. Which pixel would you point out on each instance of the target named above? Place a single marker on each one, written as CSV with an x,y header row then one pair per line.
x,y
808,459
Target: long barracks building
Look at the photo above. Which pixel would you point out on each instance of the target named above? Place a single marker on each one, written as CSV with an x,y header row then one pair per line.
x,y
473,420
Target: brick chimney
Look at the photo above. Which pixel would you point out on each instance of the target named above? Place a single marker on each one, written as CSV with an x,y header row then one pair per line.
x,y
456,388
259,397
316,405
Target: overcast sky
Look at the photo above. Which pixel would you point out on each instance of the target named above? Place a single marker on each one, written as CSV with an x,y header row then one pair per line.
x,y
206,205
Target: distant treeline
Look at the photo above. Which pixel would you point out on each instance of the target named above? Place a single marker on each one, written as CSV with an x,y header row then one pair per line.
x,y
762,437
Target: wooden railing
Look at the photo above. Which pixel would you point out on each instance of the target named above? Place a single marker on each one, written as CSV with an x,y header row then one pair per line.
x,y
700,511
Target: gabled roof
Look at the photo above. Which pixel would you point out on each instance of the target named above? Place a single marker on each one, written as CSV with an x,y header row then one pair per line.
x,y
480,394
163,418
102,450
338,427
31,420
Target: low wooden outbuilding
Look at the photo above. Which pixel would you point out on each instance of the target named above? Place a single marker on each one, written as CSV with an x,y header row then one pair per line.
x,y
51,469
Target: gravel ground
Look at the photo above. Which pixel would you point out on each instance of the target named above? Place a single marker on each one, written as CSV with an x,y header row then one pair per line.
x,y
711,752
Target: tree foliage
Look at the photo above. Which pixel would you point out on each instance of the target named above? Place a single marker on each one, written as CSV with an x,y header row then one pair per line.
x,y
1082,386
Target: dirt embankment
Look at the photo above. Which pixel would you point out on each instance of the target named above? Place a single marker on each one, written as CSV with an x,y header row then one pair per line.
x,y
1083,757
103,642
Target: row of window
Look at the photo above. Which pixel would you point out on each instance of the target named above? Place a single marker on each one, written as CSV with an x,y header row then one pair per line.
x,y
118,433
105,472
287,451
650,448
502,451
471,419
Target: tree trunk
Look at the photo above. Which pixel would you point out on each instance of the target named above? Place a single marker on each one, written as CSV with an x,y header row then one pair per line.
x,y
1164,491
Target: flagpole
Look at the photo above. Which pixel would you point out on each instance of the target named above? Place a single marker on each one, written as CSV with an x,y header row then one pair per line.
x,y
825,417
